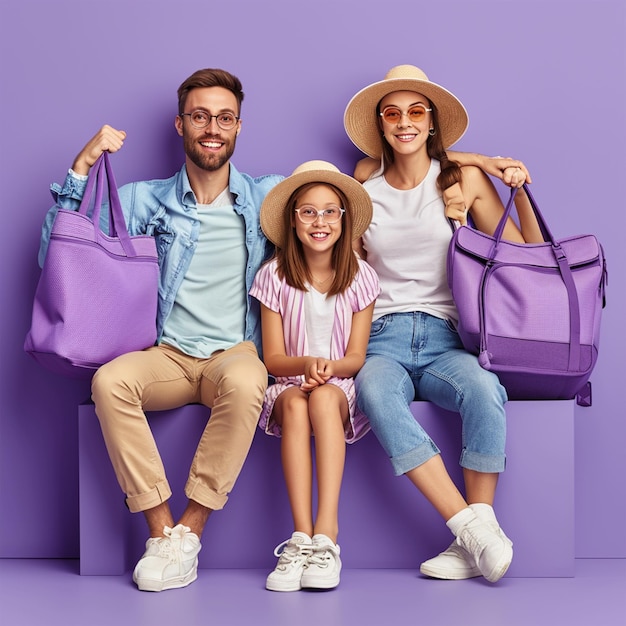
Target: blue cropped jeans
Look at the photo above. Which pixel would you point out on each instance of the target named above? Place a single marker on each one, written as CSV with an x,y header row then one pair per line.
x,y
417,356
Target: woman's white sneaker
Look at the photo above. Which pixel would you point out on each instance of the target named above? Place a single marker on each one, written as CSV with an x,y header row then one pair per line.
x,y
477,531
292,557
455,563
323,567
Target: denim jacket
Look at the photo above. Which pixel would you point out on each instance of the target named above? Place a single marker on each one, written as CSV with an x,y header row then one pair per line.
x,y
166,209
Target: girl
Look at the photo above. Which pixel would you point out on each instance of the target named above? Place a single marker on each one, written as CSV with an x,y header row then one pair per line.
x,y
406,122
317,301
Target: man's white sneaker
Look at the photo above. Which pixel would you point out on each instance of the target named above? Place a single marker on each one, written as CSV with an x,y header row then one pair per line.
x,y
169,562
292,556
323,567
455,563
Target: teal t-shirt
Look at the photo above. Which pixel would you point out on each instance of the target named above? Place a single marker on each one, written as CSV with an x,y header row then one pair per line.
x,y
210,307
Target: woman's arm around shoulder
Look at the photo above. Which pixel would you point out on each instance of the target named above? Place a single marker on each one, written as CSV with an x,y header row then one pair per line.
x,y
486,208
511,171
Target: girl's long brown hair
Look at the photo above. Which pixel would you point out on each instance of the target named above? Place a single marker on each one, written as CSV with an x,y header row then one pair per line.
x,y
292,264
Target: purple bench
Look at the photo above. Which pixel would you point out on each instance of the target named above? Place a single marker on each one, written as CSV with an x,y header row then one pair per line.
x,y
535,500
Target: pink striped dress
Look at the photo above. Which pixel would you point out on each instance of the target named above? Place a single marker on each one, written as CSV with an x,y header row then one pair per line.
x,y
278,296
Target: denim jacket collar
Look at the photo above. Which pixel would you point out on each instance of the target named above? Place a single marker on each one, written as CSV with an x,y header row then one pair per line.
x,y
236,185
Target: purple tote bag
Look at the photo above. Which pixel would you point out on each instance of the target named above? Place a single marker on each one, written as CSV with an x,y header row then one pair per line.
x,y
97,293
531,312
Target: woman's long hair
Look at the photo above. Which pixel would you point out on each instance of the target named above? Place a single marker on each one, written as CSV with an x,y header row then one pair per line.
x,y
292,264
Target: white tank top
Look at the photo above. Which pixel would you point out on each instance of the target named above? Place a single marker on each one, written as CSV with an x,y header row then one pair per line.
x,y
407,244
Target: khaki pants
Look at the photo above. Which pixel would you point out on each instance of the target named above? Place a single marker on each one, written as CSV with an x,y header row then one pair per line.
x,y
232,383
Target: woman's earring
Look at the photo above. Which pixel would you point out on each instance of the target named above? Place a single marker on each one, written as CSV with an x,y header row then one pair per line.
x,y
432,132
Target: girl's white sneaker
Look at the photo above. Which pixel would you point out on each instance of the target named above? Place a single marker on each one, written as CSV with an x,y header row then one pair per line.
x,y
292,557
323,567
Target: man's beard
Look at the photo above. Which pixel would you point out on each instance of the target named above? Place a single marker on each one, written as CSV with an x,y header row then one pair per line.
x,y
208,161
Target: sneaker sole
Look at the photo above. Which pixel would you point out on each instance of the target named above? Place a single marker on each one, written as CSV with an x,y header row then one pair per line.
x,y
278,587
164,585
447,575
323,584
282,585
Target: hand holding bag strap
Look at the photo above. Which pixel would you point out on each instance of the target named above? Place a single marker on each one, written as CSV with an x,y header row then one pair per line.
x,y
100,171
543,226
564,269
89,187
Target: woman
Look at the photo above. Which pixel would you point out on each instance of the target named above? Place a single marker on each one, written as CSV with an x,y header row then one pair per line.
x,y
406,122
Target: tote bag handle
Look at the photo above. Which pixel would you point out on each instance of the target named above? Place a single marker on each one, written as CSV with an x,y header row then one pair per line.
x,y
101,171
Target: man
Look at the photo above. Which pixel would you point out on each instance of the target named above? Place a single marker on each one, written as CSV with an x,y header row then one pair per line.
x,y
205,220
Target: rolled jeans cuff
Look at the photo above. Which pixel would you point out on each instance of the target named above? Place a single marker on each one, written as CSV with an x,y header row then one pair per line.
x,y
404,463
485,463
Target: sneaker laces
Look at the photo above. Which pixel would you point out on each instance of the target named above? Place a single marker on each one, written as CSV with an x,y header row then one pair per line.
x,y
321,556
289,552
169,546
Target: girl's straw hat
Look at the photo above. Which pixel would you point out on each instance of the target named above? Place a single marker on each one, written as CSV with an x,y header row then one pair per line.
x,y
361,121
273,207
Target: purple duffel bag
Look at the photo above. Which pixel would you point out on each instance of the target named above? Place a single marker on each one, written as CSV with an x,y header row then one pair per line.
x,y
531,312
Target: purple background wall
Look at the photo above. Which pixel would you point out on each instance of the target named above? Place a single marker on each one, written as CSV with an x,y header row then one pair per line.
x,y
543,81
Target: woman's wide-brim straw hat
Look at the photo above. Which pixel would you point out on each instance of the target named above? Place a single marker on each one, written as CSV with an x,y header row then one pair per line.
x,y
275,203
361,119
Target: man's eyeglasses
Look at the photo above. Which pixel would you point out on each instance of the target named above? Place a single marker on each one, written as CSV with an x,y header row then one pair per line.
x,y
201,119
393,115
309,214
